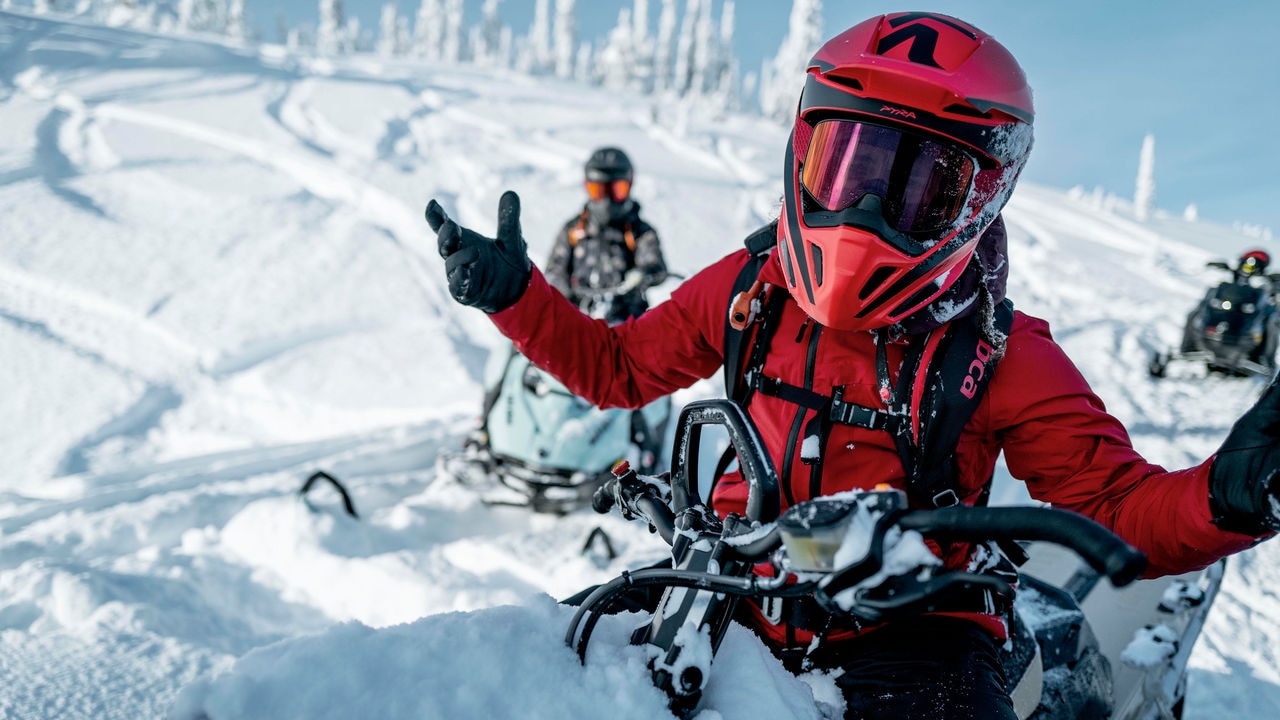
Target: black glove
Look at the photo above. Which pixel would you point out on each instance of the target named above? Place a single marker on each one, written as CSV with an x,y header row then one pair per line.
x,y
1244,493
489,274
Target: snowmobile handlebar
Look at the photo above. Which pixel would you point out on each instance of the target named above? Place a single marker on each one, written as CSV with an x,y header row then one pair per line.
x,y
753,461
1102,549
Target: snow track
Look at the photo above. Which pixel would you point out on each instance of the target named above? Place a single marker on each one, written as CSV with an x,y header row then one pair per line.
x,y
215,279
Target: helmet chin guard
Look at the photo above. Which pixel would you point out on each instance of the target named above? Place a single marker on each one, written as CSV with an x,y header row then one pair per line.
x,y
909,137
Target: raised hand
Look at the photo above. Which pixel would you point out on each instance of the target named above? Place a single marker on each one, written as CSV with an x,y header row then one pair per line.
x,y
486,273
1244,493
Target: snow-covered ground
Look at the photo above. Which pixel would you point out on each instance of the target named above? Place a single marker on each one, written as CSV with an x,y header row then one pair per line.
x,y
215,279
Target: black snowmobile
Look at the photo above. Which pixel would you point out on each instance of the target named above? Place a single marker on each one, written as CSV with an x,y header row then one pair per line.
x,y
1078,648
1234,330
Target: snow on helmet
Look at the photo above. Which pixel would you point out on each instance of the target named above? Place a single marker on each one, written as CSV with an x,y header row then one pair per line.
x,y
910,134
1254,262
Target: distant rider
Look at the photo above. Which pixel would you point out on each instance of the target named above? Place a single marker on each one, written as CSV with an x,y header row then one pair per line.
x,y
1251,264
607,246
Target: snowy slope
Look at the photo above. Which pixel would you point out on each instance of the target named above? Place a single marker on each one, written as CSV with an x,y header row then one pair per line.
x,y
214,279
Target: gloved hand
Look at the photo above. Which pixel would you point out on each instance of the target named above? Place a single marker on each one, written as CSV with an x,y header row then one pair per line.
x,y
1244,490
489,274
631,280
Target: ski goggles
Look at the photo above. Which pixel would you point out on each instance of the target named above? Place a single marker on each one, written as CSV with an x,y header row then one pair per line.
x,y
616,190
923,184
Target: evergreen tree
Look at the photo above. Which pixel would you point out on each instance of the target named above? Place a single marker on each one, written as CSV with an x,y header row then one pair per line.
x,y
388,31
237,21
782,79
682,73
566,37
489,38
331,34
428,34
617,57
540,59
663,50
454,48
1144,195
705,53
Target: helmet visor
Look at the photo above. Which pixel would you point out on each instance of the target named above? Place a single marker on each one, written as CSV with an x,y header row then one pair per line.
x,y
923,184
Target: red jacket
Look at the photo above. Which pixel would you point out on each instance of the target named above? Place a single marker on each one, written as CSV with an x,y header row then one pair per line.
x,y
1054,431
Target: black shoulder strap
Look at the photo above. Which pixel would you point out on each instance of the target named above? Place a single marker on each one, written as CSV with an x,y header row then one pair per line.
x,y
759,244
958,373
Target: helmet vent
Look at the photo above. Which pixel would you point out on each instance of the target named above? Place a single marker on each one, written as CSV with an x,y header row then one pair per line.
x,y
875,281
817,265
958,109
848,82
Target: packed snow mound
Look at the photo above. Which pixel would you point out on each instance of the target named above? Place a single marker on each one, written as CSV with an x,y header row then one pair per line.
x,y
215,278
509,661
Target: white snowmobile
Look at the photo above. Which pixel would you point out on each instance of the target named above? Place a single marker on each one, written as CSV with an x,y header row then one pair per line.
x,y
542,446
1078,648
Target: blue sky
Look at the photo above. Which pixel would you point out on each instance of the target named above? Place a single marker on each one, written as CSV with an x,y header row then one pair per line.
x,y
1203,77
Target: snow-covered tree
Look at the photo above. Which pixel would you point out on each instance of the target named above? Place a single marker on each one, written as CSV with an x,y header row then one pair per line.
x,y
642,47
584,69
237,21
616,60
428,32
566,37
539,45
682,73
663,49
388,31
706,53
202,16
782,79
331,35
1144,194
454,48
640,18
488,39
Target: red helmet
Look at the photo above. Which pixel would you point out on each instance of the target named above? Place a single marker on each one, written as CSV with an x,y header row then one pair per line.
x,y
1254,262
910,134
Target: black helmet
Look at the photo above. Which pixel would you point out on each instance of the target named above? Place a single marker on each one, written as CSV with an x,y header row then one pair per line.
x,y
608,164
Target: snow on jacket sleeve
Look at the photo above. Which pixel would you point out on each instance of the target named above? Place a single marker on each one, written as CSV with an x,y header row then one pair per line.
x,y
629,365
1058,437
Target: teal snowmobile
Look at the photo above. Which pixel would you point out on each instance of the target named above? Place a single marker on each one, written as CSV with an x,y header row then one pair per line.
x,y
1079,648
542,446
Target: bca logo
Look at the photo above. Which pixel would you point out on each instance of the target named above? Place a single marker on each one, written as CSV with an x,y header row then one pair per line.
x,y
977,369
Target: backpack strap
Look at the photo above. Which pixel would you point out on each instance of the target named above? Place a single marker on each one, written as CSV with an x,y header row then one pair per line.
x,y
579,230
941,393
759,244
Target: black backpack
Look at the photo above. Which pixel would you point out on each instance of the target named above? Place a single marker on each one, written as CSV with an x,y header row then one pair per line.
x,y
954,376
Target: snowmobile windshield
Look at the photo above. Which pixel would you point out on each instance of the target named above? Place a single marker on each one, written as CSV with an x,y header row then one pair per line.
x,y
923,184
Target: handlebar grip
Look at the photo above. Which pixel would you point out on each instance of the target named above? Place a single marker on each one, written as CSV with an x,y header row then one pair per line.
x,y
1098,546
659,516
602,499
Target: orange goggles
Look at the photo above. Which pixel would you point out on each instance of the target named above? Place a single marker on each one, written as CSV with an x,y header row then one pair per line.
x,y
616,190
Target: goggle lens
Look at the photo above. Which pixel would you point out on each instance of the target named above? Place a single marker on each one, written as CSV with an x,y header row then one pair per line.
x,y
923,184
616,190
